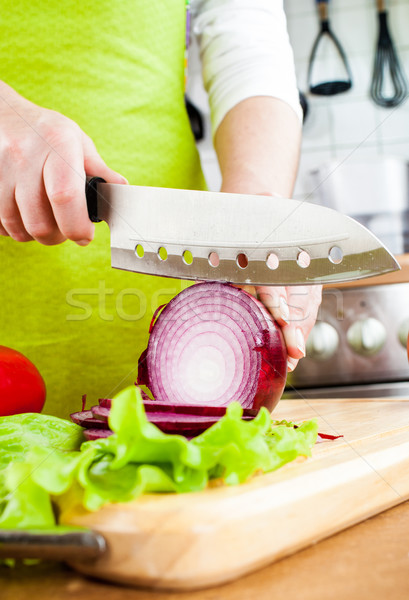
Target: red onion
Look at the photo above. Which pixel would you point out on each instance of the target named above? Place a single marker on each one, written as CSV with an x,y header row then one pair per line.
x,y
323,437
85,418
96,434
213,344
186,409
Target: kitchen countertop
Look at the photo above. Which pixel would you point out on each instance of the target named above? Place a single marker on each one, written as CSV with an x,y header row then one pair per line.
x,y
401,276
369,560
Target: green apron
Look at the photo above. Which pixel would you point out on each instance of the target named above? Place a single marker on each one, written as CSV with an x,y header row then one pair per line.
x,y
116,68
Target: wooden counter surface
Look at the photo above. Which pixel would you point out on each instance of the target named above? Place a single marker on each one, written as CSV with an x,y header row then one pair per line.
x,y
401,276
367,561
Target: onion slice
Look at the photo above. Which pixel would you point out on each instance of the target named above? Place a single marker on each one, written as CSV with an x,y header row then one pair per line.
x,y
96,434
214,344
85,418
188,409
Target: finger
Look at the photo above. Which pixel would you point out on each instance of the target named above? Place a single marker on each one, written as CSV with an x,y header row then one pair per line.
x,y
95,166
275,300
304,302
64,182
295,341
36,212
11,220
3,231
291,364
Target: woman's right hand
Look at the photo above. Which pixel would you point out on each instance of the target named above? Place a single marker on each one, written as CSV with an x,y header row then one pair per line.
x,y
44,159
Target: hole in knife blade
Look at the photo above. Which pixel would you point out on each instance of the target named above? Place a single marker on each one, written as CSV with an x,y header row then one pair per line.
x,y
336,255
139,251
214,259
187,257
242,261
303,259
162,253
272,261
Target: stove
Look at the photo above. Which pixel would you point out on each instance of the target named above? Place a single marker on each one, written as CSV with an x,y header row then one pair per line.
x,y
358,346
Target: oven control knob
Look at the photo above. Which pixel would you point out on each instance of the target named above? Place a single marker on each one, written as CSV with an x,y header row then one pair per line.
x,y
404,332
366,336
322,341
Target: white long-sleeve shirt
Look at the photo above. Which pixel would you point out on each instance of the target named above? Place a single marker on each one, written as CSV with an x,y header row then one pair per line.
x,y
245,51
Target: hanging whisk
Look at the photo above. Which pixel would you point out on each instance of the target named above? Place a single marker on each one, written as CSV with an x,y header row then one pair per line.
x,y
387,66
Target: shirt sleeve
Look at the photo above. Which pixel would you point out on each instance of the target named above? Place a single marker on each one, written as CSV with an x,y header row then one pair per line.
x,y
245,51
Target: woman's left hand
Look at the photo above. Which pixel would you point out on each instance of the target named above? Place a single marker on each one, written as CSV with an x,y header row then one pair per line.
x,y
295,310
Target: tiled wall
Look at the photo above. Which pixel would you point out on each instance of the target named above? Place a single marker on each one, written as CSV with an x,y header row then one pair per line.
x,y
348,126
198,96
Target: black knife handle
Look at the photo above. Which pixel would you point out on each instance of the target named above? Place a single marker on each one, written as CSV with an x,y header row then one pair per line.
x,y
91,194
65,544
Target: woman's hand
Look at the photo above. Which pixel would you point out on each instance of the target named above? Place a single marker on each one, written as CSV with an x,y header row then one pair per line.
x,y
295,310
44,157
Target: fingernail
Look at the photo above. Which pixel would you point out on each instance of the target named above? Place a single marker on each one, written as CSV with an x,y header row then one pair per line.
x,y
83,242
284,310
290,366
299,336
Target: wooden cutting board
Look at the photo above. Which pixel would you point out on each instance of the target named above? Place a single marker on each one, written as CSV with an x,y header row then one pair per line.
x,y
201,539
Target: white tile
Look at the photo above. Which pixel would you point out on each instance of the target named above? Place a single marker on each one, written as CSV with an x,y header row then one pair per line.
x,y
304,188
362,67
348,4
212,173
298,7
301,70
317,126
393,123
356,30
398,23
194,64
196,92
397,150
354,122
345,154
303,30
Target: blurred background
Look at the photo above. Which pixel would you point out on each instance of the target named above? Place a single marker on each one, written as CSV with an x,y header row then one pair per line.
x,y
355,158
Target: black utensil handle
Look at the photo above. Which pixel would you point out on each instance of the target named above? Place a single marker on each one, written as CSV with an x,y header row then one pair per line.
x,y
91,194
67,545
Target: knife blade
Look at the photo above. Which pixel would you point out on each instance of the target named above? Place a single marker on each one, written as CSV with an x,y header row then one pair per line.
x,y
239,238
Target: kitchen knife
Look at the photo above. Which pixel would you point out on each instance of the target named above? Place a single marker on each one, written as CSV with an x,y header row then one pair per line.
x,y
238,238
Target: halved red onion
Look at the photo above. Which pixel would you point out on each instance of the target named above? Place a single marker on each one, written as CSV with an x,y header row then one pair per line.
x,y
214,344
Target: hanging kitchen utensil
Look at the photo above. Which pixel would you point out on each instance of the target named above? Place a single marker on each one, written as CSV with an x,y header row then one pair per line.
x,y
387,67
328,88
233,237
196,120
304,105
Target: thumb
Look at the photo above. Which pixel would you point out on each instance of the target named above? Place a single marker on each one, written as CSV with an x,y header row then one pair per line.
x,y
95,166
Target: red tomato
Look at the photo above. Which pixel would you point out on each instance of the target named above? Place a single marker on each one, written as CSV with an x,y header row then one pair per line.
x,y
22,389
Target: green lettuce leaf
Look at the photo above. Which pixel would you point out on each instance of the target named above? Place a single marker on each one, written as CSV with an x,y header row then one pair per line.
x,y
46,466
19,433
